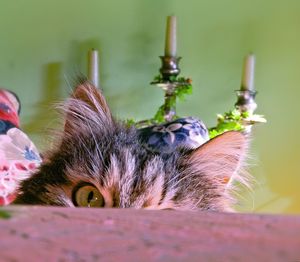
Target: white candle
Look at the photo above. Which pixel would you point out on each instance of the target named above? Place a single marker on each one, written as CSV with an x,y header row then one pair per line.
x,y
248,73
93,67
171,40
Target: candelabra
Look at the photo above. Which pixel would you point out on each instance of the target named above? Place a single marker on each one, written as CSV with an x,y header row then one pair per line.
x,y
173,86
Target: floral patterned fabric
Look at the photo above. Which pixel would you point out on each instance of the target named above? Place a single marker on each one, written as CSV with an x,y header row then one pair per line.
x,y
186,133
18,155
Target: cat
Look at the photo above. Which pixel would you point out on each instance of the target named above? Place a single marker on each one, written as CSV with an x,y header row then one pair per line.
x,y
101,162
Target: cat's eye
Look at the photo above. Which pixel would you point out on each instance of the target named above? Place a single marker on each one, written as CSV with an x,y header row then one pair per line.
x,y
88,196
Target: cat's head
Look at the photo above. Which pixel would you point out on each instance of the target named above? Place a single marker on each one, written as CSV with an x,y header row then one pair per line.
x,y
100,162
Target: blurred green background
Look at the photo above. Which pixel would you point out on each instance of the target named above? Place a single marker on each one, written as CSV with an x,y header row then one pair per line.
x,y
43,45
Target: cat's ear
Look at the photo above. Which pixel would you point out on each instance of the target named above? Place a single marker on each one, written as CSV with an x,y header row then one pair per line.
x,y
86,107
92,96
220,158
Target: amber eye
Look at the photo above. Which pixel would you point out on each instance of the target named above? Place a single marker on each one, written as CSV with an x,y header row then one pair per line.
x,y
88,196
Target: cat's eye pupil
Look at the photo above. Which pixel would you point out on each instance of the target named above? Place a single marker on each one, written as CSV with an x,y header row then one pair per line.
x,y
88,196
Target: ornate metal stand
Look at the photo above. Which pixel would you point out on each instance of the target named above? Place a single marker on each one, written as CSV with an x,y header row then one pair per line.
x,y
169,72
246,100
175,86
247,104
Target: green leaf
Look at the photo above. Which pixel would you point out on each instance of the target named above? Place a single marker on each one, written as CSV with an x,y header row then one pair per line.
x,y
159,116
4,214
172,78
213,133
245,114
129,122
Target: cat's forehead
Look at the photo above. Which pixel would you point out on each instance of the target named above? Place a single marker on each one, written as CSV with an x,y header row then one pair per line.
x,y
97,149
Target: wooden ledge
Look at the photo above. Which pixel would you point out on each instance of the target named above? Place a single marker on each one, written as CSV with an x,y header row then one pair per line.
x,y
69,234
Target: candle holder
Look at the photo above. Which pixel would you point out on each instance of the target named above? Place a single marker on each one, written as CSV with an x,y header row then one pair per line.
x,y
242,117
169,81
246,101
170,67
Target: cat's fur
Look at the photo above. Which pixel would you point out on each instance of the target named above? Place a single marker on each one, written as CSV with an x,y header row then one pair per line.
x,y
96,149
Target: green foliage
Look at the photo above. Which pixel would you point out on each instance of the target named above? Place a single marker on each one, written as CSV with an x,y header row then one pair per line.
x,y
183,87
129,122
234,120
4,214
159,115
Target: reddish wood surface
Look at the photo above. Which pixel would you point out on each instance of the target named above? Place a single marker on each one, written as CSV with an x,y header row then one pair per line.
x,y
66,234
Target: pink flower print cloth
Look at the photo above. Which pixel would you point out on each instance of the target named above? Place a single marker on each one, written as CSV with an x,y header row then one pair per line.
x,y
18,155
